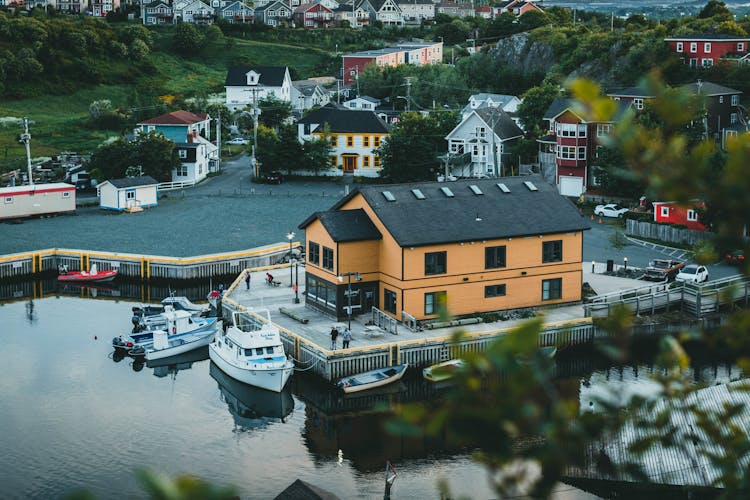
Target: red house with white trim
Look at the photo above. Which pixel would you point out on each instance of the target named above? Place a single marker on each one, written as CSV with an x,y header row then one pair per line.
x,y
313,15
705,50
686,215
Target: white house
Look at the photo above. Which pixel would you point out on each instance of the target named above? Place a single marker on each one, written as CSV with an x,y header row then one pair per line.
x,y
415,11
471,143
194,159
388,12
364,102
127,193
354,136
245,83
193,11
307,94
508,103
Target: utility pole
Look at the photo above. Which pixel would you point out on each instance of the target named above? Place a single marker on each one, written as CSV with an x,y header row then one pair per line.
x,y
26,139
408,93
218,141
255,114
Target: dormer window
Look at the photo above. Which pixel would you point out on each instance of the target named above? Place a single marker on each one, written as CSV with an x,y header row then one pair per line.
x,y
252,78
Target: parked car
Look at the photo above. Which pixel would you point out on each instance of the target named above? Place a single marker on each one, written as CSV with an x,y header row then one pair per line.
x,y
273,177
736,258
693,273
237,141
610,210
661,269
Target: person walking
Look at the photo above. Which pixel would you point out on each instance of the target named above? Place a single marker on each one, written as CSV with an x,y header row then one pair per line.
x,y
247,280
346,338
334,336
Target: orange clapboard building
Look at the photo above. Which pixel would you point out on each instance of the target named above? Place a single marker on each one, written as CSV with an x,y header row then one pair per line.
x,y
475,245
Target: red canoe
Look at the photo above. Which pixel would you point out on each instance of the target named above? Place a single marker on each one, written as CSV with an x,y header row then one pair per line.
x,y
90,276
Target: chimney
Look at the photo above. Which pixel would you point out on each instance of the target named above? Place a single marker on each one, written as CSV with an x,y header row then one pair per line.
x,y
189,137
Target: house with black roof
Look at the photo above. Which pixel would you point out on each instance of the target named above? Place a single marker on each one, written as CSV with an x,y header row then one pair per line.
x,y
354,137
246,85
473,246
128,193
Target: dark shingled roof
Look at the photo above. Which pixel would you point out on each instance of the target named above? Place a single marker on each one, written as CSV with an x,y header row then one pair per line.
x,y
270,76
632,92
346,120
708,89
505,127
559,105
301,490
128,182
346,225
441,219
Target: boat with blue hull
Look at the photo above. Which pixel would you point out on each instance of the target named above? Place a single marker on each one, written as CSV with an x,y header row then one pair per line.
x,y
254,356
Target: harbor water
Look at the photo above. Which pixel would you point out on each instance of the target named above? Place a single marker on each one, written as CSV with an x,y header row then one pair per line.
x,y
73,416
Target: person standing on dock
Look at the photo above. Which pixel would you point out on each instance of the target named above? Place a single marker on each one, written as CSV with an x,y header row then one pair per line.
x,y
346,338
247,280
334,336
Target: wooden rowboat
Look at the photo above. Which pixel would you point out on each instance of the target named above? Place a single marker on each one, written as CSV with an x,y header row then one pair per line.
x,y
373,378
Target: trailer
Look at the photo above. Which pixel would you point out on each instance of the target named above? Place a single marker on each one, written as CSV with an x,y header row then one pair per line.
x,y
37,200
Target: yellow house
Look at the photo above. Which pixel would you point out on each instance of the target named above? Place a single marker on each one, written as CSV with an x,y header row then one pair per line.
x,y
474,245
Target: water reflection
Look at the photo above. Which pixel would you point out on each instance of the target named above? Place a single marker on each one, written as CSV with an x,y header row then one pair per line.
x,y
251,407
172,365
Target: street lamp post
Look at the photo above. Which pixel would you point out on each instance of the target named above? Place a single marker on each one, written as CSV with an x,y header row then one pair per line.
x,y
357,277
296,282
290,236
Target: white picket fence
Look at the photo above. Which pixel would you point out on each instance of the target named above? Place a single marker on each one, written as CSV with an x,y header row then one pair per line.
x,y
170,186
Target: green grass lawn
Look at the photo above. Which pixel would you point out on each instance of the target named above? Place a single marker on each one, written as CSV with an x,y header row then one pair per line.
x,y
59,122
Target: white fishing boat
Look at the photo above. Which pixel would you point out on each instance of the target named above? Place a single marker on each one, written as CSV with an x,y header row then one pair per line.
x,y
442,372
255,357
150,317
373,378
177,324
165,345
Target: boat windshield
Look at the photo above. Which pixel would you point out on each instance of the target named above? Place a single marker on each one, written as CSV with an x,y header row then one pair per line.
x,y
259,351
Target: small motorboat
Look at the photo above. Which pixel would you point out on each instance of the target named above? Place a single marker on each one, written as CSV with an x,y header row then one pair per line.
x,y
176,323
373,378
92,276
150,317
165,345
442,372
255,357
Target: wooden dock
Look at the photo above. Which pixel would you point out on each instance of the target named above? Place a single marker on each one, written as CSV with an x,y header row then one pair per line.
x,y
143,267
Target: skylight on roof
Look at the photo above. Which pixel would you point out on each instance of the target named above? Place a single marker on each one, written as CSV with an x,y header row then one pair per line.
x,y
475,189
503,188
447,192
418,194
389,196
530,185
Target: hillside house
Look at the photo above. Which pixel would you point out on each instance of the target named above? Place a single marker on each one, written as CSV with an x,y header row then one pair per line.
x,y
158,12
313,15
705,50
363,102
70,6
247,84
417,53
100,8
307,94
354,136
403,258
416,11
388,12
357,13
674,213
191,134
455,9
193,12
235,12
472,142
274,13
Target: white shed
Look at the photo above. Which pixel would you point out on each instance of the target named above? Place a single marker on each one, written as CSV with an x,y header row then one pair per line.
x,y
37,199
128,193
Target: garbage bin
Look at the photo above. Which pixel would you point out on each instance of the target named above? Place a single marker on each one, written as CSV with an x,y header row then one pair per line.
x,y
610,265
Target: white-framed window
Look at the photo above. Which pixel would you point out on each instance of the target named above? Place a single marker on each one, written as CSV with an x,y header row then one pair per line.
x,y
8,199
707,62
571,152
693,46
66,194
692,215
182,153
679,47
638,103
740,46
735,100
707,47
733,118
571,129
182,171
665,211
693,62
130,194
721,99
603,129
481,132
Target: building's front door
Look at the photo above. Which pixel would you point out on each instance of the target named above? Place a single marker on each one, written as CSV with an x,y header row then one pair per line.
x,y
350,163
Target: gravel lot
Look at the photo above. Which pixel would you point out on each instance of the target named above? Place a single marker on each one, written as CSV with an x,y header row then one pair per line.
x,y
224,213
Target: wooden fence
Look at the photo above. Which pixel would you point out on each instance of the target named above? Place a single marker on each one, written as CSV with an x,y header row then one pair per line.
x,y
144,267
666,233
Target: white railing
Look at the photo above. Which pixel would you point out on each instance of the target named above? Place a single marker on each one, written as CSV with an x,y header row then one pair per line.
x,y
169,186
